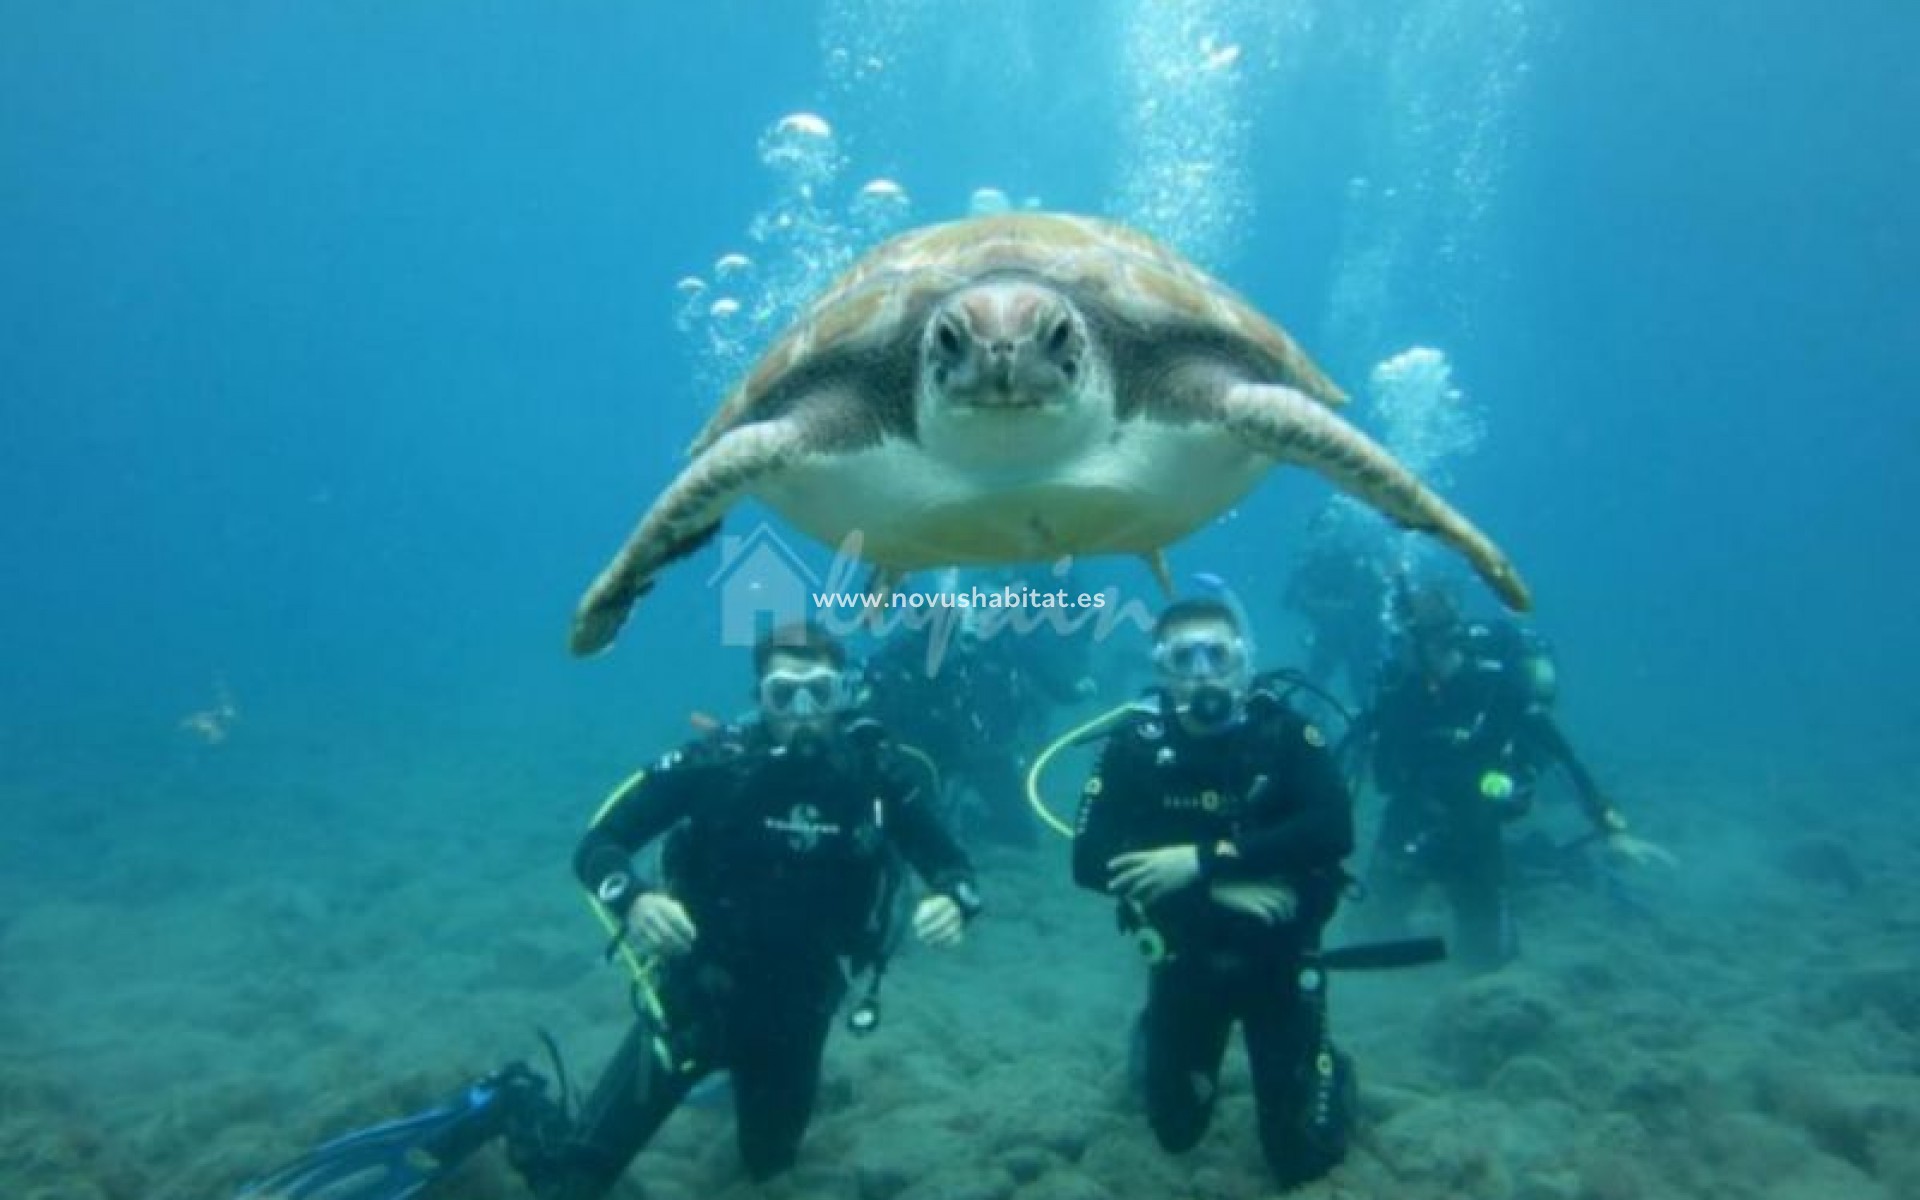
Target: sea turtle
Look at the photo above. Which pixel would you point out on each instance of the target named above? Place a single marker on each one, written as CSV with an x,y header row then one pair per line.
x,y
1017,388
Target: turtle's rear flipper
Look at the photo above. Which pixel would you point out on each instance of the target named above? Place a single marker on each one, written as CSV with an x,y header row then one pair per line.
x,y
684,518
1291,427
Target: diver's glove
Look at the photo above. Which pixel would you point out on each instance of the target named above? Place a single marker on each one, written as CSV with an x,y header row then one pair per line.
x,y
1629,849
660,925
1639,852
1144,876
1268,903
938,922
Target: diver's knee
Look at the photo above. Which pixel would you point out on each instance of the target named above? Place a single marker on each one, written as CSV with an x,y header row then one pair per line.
x,y
1486,941
1293,1162
1179,1111
764,1160
1304,1144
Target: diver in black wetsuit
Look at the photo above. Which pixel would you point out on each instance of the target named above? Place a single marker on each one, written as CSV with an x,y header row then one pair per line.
x,y
1460,733
783,835
780,862
1220,819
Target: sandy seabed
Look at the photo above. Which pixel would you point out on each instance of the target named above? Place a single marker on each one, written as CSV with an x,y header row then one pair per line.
x,y
205,972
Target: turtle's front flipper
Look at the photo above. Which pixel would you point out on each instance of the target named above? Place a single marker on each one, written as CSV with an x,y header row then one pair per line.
x,y
1291,427
684,518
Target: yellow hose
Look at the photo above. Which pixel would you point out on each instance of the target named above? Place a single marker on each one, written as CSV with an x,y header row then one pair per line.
x,y
640,968
1046,756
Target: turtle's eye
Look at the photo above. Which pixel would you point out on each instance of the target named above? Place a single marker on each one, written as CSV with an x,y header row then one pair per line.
x,y
1057,340
948,337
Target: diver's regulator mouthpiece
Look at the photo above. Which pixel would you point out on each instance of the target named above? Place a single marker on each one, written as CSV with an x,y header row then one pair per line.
x,y
1211,706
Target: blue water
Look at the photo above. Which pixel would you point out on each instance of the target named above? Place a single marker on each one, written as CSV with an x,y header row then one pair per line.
x,y
337,343
337,346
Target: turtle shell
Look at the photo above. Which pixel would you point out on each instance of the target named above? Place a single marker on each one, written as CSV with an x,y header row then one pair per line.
x,y
1134,290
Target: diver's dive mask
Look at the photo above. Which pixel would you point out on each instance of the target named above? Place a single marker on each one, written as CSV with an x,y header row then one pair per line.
x,y
1205,674
1200,657
800,695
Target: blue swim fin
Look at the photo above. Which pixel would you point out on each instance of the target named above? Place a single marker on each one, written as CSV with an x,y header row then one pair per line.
x,y
400,1159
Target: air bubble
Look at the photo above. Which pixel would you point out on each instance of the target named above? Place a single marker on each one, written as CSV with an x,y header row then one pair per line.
x,y
801,147
881,206
988,201
691,290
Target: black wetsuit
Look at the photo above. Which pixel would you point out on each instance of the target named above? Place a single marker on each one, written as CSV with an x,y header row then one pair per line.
x,y
780,860
1434,746
1270,788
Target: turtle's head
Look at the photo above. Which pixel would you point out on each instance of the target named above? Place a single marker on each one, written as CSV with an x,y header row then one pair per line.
x,y
1004,346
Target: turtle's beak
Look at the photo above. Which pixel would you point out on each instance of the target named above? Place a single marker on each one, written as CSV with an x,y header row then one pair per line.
x,y
1005,346
1011,377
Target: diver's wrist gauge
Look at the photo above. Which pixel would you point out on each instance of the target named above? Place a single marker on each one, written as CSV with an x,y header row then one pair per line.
x,y
615,889
967,898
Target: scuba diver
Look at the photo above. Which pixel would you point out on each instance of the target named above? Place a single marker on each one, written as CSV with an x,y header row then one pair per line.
x,y
1459,735
1339,589
1219,819
970,696
780,840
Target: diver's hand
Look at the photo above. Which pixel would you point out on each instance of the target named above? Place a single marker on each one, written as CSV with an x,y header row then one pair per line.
x,y
1146,875
658,923
1268,903
939,922
1639,851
